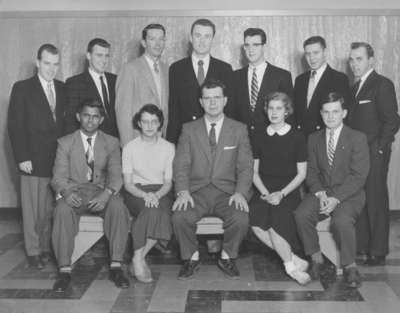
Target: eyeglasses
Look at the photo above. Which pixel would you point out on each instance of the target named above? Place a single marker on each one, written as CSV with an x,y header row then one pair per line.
x,y
152,122
253,45
216,98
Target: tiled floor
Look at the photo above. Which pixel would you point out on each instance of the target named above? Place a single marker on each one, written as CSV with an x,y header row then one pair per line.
x,y
263,286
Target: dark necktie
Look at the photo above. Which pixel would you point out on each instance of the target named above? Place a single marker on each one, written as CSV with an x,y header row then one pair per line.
x,y
355,87
106,103
200,72
254,90
90,159
311,87
212,137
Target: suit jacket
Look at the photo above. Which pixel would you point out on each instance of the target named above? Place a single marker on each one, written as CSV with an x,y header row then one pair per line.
x,y
309,119
274,79
232,169
81,87
135,88
70,167
374,111
346,177
184,105
31,127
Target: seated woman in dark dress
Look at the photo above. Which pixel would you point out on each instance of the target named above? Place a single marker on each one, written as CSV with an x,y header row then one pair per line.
x,y
147,170
279,169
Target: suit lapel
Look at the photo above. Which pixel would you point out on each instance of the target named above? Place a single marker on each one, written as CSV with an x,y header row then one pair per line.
x,y
99,150
78,156
322,148
149,77
366,86
92,86
321,85
340,147
223,138
43,102
202,135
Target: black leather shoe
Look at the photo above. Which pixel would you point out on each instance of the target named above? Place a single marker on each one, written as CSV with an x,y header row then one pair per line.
x,y
163,250
315,270
229,268
62,282
34,261
188,269
375,260
352,277
117,276
46,257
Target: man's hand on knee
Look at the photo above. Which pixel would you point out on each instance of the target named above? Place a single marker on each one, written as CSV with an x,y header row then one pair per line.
x,y
239,201
72,198
181,203
330,204
99,202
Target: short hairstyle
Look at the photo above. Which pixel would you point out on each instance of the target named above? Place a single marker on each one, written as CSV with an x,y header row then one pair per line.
x,y
367,46
151,109
152,26
279,96
213,83
334,96
203,22
313,40
46,47
99,42
91,103
250,32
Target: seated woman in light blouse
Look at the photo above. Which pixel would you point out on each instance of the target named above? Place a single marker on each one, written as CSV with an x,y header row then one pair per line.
x,y
147,170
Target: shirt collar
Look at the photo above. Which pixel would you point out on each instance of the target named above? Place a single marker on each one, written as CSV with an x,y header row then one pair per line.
x,y
321,70
336,131
151,61
282,131
365,76
217,123
196,59
96,76
259,67
85,137
44,82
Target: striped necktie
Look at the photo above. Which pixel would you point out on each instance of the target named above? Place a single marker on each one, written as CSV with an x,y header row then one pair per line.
x,y
90,159
254,90
331,147
51,99
311,87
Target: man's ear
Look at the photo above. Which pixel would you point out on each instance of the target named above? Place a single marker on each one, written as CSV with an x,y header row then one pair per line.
x,y
101,120
78,117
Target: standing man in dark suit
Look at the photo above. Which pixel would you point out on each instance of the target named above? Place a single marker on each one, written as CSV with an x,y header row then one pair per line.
x,y
338,164
213,171
311,87
35,121
186,75
87,180
93,83
255,81
374,112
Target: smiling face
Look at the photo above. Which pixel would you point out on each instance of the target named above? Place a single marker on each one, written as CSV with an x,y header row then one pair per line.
x,y
333,114
254,49
213,102
90,120
276,111
201,39
150,124
315,55
48,65
359,61
154,43
98,58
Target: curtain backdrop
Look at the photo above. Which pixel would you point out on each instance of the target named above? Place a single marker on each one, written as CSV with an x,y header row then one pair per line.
x,y
22,35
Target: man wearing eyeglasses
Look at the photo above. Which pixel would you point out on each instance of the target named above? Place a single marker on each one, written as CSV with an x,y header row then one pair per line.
x,y
254,81
213,171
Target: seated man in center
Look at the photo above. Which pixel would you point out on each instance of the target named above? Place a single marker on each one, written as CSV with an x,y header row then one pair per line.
x,y
212,171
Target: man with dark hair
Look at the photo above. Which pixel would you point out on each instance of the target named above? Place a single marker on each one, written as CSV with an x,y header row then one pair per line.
x,y
87,180
313,85
186,75
213,171
253,82
35,121
373,112
337,168
143,80
93,83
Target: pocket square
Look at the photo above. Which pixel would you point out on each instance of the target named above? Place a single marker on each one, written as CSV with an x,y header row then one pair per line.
x,y
364,101
229,147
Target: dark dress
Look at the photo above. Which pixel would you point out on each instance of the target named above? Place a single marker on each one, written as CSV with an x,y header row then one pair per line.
x,y
278,157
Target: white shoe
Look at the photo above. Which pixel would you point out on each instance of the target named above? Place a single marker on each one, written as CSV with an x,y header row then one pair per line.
x,y
299,263
301,277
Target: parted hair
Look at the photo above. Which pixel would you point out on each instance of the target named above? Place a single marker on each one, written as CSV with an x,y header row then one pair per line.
x,y
151,109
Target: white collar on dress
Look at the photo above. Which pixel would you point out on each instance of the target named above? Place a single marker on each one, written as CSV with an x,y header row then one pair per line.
x,y
281,131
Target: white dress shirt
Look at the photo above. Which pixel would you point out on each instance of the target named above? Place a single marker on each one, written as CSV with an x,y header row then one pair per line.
x,y
218,126
45,85
156,76
206,64
363,79
84,140
96,78
318,73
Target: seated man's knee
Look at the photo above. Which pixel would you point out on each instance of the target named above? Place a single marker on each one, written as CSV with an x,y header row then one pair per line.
x,y
340,221
184,217
240,218
62,209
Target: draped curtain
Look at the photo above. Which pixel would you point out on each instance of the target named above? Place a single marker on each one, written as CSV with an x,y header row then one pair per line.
x,y
21,35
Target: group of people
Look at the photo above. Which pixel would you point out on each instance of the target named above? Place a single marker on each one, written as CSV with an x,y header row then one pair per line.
x,y
201,139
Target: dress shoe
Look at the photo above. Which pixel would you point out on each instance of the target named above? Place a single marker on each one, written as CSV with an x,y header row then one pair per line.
x,y
161,249
315,270
117,276
352,277
62,282
228,267
34,261
46,257
375,260
188,269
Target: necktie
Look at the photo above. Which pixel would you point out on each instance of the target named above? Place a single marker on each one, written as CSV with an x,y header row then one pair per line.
x,y
212,136
90,160
200,72
51,99
311,87
355,88
254,90
106,103
155,67
331,147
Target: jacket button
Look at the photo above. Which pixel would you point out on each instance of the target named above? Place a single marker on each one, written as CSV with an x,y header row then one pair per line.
x,y
194,117
318,127
252,127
